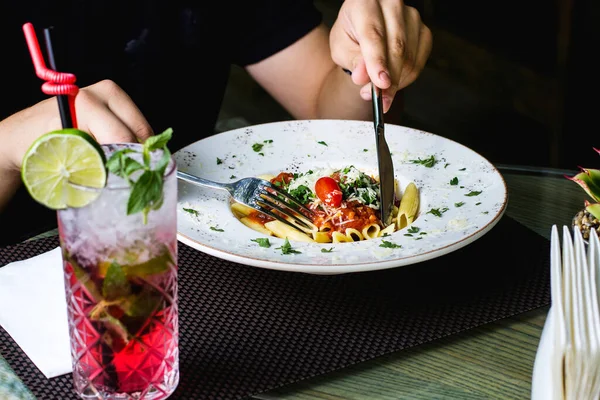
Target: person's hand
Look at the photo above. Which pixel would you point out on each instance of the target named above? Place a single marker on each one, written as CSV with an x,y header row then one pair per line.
x,y
107,112
380,41
103,109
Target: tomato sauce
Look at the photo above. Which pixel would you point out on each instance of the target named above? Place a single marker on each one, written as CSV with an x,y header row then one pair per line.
x,y
351,214
354,215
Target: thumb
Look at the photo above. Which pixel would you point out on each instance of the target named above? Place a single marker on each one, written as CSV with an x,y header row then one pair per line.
x,y
360,76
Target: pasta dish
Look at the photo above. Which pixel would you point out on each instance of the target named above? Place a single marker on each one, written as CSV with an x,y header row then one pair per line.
x,y
345,202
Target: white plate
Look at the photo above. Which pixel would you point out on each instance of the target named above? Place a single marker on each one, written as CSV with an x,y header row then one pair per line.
x,y
295,148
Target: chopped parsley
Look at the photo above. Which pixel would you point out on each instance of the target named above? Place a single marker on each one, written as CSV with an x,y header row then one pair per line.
x,y
473,193
389,245
329,250
365,150
413,229
257,147
323,143
446,165
268,141
428,162
286,248
232,177
477,204
462,169
459,204
356,185
437,211
191,211
262,242
214,228
219,161
302,193
261,154
454,181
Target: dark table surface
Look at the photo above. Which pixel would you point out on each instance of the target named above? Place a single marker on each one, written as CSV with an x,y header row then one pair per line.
x,y
492,361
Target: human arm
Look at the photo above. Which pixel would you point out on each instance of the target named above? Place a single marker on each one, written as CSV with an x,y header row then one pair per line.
x,y
103,109
368,37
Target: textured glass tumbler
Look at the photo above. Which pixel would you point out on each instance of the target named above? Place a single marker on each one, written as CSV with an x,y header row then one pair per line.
x,y
121,289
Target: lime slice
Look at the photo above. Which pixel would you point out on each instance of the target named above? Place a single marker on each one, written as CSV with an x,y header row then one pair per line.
x,y
64,168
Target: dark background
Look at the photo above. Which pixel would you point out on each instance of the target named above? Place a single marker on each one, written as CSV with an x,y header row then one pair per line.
x,y
514,81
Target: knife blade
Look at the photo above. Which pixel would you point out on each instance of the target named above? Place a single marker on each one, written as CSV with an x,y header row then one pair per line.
x,y
384,159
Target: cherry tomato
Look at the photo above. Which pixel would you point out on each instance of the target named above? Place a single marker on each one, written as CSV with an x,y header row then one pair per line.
x,y
328,191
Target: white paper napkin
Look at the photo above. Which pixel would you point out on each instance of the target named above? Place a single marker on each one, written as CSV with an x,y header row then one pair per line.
x,y
33,311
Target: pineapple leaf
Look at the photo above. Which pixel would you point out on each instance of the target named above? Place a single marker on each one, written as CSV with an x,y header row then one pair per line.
x,y
589,180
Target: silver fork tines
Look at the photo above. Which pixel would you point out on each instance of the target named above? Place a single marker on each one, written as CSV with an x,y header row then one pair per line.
x,y
293,216
262,196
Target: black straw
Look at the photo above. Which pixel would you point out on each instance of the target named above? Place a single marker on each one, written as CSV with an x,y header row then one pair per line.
x,y
63,99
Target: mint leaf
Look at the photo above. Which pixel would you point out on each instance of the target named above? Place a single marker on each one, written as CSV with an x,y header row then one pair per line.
x,y
143,304
146,192
121,165
85,279
158,141
155,265
163,163
115,283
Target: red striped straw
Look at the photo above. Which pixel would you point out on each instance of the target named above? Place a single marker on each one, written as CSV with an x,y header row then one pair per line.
x,y
60,84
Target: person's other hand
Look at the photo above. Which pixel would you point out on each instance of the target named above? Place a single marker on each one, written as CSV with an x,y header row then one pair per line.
x,y
102,109
380,41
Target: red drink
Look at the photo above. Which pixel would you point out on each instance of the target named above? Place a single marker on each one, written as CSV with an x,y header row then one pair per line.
x,y
121,288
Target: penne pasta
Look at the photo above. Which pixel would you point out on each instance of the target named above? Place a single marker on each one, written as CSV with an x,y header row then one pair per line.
x,y
371,231
338,237
409,206
388,230
321,237
257,226
345,204
283,231
354,234
240,210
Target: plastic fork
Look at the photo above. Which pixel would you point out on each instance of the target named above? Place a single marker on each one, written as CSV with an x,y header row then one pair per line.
x,y
262,196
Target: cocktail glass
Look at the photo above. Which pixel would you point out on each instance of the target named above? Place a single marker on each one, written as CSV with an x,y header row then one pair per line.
x,y
121,289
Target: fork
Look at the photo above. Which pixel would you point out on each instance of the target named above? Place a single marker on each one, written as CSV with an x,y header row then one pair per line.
x,y
263,196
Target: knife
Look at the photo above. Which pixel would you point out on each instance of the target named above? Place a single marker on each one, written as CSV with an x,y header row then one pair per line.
x,y
384,159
